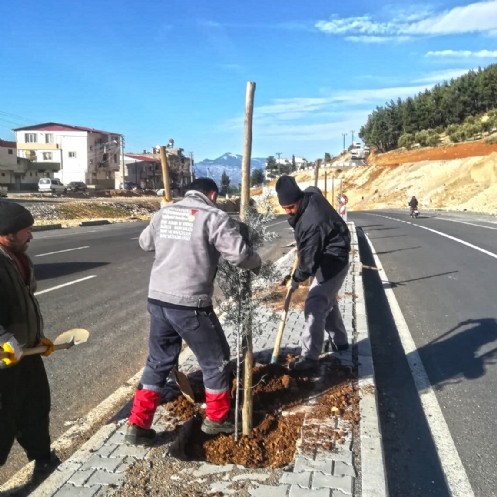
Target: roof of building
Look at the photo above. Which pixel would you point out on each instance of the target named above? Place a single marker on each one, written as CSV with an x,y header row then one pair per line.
x,y
143,158
63,127
8,144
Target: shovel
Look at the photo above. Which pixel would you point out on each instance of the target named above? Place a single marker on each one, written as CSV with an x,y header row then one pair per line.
x,y
184,385
65,340
281,327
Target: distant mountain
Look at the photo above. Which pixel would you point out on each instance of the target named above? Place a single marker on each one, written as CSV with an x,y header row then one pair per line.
x,y
231,163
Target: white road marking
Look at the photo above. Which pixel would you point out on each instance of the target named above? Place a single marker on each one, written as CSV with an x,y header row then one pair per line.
x,y
453,469
66,284
467,222
60,251
450,237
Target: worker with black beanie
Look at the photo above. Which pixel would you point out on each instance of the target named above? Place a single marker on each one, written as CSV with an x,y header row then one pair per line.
x,y
24,388
323,245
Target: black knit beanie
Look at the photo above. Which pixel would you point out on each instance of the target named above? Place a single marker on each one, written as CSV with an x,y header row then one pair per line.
x,y
288,191
13,217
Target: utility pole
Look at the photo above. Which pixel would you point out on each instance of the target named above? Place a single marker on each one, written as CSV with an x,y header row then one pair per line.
x,y
352,133
278,162
122,159
192,174
344,135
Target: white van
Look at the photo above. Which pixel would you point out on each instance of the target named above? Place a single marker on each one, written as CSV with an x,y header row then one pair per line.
x,y
51,185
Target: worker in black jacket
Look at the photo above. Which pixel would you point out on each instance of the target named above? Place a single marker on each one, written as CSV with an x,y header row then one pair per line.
x,y
323,245
24,387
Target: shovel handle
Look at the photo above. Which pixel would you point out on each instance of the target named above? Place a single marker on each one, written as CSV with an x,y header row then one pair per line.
x,y
281,327
370,267
39,349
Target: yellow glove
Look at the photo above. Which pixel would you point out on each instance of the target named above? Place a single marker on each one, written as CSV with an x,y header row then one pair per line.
x,y
13,350
48,343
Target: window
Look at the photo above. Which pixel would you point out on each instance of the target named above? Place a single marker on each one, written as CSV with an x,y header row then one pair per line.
x,y
72,154
49,138
11,151
115,158
30,138
47,155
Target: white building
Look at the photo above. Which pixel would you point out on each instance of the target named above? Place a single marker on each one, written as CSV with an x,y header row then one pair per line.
x,y
14,171
72,153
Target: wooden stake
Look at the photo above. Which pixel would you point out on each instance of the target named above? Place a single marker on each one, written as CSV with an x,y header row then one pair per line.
x,y
247,150
246,280
165,174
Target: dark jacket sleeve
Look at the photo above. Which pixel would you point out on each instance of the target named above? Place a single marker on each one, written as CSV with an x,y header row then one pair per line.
x,y
310,250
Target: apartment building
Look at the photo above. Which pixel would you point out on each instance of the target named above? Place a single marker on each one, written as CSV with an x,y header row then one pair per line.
x,y
145,169
14,171
72,153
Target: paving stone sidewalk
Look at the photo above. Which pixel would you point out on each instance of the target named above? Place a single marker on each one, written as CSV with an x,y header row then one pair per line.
x,y
355,468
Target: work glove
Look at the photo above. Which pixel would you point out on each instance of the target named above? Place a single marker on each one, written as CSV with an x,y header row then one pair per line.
x,y
13,349
48,343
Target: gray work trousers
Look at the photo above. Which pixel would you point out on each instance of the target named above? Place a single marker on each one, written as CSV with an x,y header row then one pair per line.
x,y
322,314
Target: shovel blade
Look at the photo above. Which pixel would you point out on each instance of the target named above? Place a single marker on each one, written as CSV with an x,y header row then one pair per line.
x,y
71,337
184,385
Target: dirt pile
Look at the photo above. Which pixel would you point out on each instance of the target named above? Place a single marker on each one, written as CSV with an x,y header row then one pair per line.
x,y
279,409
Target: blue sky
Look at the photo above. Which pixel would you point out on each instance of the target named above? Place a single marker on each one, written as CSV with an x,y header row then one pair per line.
x,y
156,69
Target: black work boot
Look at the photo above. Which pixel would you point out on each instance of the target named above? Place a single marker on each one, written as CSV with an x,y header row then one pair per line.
x,y
339,348
211,427
136,435
45,465
303,364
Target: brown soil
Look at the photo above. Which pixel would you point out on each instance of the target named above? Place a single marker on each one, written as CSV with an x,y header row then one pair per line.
x,y
273,439
280,403
447,152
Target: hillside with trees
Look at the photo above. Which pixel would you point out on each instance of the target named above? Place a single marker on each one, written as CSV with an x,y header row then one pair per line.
x,y
463,109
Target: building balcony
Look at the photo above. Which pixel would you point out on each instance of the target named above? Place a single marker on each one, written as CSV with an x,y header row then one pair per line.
x,y
43,166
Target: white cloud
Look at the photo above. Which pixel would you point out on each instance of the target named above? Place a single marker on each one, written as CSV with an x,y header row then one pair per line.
x,y
478,17
472,18
378,39
463,54
438,77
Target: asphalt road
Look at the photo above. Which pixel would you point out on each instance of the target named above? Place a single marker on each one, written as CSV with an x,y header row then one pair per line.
x,y
442,269
97,278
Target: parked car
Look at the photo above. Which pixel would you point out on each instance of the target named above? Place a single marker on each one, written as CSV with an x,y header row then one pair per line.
x,y
128,185
54,185
77,186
